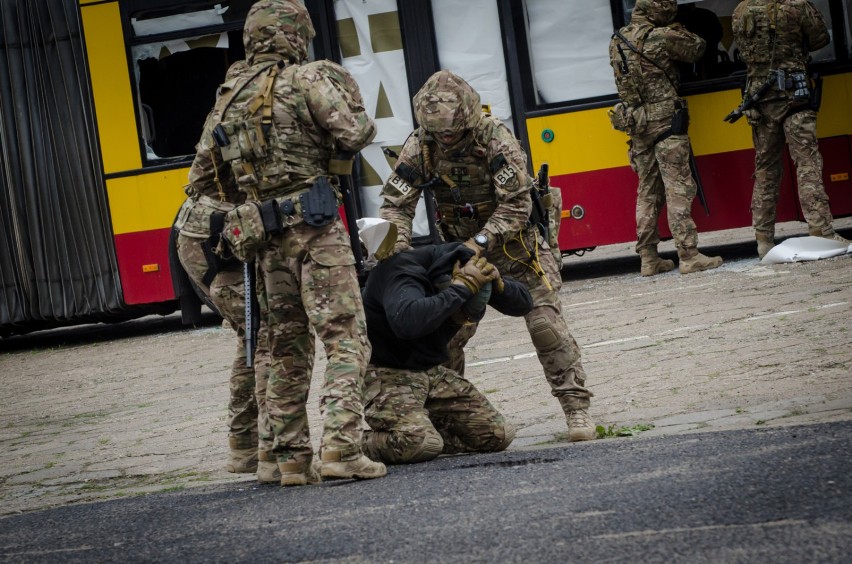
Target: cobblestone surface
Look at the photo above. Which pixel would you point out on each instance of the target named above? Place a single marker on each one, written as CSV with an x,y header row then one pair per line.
x,y
101,412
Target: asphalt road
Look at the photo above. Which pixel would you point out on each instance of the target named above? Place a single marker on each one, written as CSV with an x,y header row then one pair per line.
x,y
762,495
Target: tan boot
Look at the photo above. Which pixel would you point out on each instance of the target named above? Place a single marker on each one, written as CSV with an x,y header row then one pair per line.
x,y
693,261
268,472
765,242
359,467
294,473
652,263
580,426
242,458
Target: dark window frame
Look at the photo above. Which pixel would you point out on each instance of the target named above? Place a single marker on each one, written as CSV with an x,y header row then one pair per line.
x,y
516,44
129,9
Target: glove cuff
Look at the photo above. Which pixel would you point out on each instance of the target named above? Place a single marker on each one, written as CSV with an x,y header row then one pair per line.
x,y
466,282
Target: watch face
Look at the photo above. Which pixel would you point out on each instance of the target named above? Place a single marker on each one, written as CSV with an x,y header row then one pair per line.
x,y
481,240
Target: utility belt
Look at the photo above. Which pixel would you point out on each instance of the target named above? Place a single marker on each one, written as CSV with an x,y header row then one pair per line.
x,y
634,119
795,82
249,226
453,212
459,222
805,93
193,219
663,108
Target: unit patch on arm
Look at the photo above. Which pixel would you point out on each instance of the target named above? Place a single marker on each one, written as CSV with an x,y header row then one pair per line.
x,y
399,184
502,171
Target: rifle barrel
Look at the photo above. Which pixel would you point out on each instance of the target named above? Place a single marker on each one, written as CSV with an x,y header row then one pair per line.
x,y
693,167
250,336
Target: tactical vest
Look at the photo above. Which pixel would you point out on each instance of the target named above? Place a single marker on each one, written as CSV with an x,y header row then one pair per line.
x,y
269,148
627,65
465,195
757,46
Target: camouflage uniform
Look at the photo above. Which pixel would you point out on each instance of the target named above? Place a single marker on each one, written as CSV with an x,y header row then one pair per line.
x,y
288,121
782,114
646,77
481,186
213,189
416,415
415,303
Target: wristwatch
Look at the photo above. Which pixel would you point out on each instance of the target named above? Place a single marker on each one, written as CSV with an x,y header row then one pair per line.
x,y
481,240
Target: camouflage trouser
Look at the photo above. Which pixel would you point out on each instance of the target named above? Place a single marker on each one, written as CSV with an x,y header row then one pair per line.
x,y
664,178
557,350
769,133
307,281
406,408
226,292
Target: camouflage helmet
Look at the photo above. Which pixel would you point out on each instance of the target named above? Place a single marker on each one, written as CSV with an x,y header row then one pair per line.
x,y
447,103
660,12
276,28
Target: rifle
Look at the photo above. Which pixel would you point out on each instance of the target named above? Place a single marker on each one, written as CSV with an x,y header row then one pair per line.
x,y
350,210
540,213
428,201
749,101
693,167
252,314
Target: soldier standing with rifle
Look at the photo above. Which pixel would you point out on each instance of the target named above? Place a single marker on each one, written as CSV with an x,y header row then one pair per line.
x,y
212,192
282,126
774,38
643,56
478,174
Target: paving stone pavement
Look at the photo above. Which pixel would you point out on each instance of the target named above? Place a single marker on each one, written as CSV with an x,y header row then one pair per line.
x,y
103,412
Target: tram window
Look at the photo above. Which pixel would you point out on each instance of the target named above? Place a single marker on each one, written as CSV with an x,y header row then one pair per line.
x,y
569,49
177,74
468,46
827,53
711,19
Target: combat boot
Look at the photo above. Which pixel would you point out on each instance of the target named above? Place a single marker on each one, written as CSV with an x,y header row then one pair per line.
x,y
765,243
693,261
241,459
268,472
580,426
334,467
267,468
652,263
295,473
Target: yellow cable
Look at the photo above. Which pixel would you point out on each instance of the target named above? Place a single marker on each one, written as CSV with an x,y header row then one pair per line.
x,y
533,265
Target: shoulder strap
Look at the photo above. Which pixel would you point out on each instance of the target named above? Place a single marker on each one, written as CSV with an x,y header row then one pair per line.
x,y
264,94
233,93
644,56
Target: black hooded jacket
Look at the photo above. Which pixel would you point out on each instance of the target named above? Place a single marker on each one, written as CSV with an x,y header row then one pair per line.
x,y
409,319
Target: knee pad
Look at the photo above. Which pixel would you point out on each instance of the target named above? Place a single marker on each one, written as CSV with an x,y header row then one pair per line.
x,y
430,447
544,335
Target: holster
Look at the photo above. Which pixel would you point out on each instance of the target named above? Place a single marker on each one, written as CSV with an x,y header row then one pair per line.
x,y
319,204
680,119
680,123
216,263
815,100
